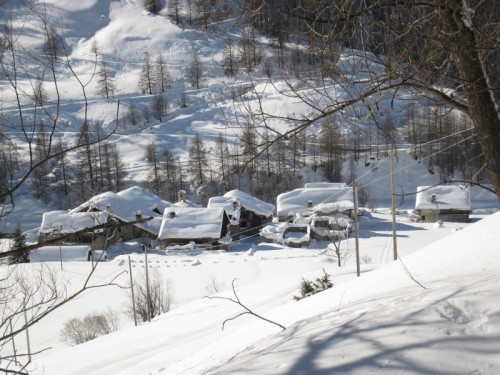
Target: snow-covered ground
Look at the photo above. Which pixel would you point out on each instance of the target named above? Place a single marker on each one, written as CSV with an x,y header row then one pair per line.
x,y
432,311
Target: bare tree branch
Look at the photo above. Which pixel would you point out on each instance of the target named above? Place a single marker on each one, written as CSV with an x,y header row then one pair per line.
x,y
237,301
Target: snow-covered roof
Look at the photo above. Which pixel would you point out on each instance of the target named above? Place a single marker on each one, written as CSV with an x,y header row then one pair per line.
x,y
333,207
59,253
192,223
64,222
247,201
185,203
125,204
296,200
325,185
447,197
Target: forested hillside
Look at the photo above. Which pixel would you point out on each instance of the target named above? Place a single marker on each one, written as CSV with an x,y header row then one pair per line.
x,y
261,95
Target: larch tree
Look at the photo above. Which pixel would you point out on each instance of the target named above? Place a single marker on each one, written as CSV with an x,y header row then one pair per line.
x,y
249,53
195,70
62,177
105,84
197,160
171,176
174,8
154,179
331,149
118,173
161,75
229,57
132,115
159,106
221,155
146,76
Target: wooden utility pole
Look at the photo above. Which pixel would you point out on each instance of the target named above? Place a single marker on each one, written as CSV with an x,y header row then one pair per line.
x,y
356,224
148,294
394,239
27,334
132,289
13,341
60,256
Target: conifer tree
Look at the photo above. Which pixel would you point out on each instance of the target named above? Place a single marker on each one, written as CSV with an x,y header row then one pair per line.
x,y
146,77
197,162
229,58
105,84
152,6
132,113
18,243
174,10
196,70
161,76
170,176
154,177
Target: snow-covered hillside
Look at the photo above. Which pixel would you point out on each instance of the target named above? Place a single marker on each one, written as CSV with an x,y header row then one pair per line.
x,y
124,33
433,311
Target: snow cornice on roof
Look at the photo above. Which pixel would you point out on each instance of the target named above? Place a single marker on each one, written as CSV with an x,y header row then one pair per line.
x,y
192,223
449,197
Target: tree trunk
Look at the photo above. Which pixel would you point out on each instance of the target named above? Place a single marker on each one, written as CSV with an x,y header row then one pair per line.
x,y
482,108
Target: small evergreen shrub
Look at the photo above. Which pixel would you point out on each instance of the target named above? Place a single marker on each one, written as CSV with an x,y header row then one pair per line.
x,y
308,287
18,243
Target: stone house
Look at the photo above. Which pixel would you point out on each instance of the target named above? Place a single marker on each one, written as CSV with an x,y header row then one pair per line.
x,y
443,202
205,227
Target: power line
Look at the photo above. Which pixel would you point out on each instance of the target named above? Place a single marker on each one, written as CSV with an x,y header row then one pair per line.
x,y
417,162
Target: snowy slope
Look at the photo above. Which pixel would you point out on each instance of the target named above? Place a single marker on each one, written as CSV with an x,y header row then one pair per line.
x,y
383,322
386,323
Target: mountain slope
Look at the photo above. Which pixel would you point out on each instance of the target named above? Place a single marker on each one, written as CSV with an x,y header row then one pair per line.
x,y
382,322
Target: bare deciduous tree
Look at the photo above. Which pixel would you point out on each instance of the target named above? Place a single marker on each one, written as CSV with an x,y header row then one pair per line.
x,y
79,330
39,137
174,8
444,50
146,76
196,70
155,182
105,84
161,75
171,176
161,296
214,285
229,58
29,296
132,114
198,161
28,148
159,107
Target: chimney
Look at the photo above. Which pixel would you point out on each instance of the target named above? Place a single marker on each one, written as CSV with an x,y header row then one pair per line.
x,y
181,196
138,215
309,204
433,198
236,202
